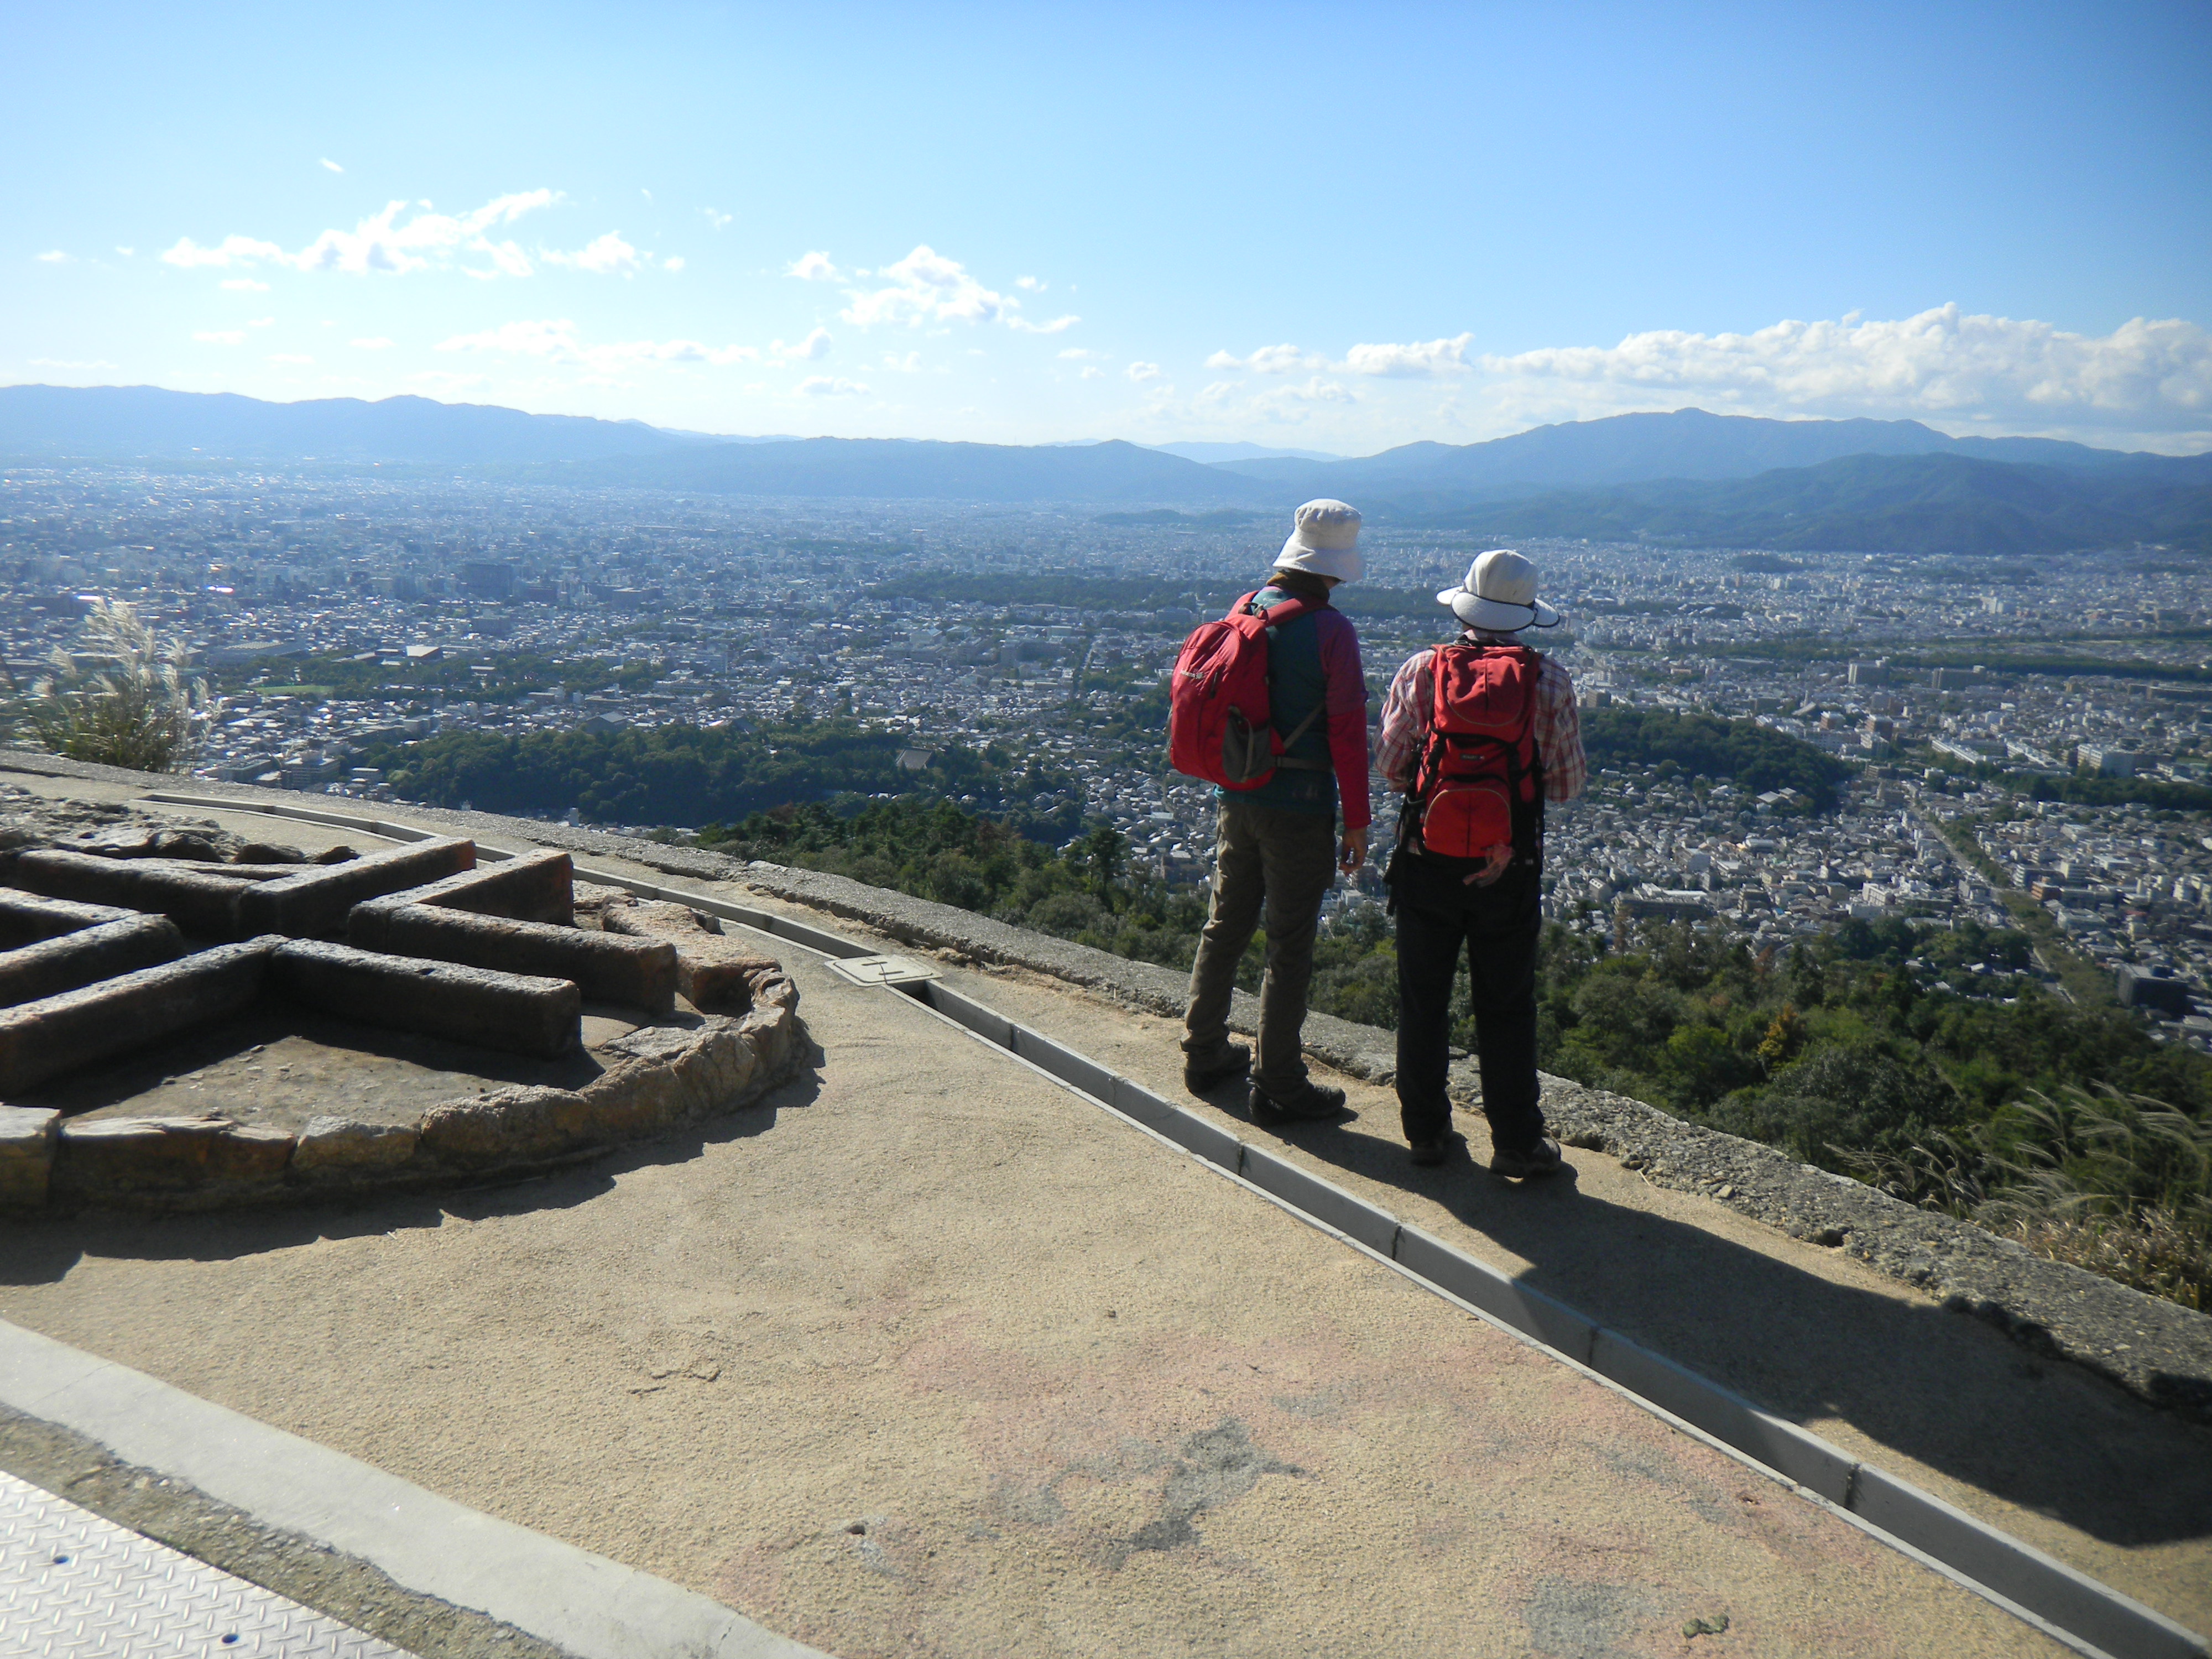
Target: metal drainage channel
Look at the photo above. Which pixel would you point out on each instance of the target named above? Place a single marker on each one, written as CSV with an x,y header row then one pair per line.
x,y
2070,1606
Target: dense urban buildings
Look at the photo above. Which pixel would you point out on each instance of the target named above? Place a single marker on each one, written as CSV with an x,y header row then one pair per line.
x,y
2003,734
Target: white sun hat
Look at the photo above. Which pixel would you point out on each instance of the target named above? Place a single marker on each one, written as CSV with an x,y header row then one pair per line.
x,y
1499,594
1326,541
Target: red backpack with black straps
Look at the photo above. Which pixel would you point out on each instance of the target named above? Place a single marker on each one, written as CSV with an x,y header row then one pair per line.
x,y
1480,775
1217,699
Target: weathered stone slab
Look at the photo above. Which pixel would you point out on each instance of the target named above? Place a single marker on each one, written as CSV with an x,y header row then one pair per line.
x,y
26,918
26,1154
537,886
54,965
718,974
509,1126
120,1157
516,1012
205,905
315,901
57,1033
640,972
338,1147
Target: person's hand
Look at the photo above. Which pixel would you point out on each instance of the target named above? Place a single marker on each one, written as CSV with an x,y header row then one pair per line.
x,y
1352,851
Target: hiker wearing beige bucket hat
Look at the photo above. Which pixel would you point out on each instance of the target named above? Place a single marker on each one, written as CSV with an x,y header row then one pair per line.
x,y
1277,846
1478,733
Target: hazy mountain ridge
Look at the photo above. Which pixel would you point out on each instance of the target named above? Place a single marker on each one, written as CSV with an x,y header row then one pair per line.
x,y
1686,444
132,423
1857,485
1927,503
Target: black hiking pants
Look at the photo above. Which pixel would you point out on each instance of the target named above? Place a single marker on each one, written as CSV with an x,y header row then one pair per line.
x,y
1440,916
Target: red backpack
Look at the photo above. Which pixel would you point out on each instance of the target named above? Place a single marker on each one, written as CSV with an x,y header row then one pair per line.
x,y
1479,773
1218,698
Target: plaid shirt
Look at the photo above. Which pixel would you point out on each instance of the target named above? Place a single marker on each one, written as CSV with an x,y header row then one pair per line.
x,y
1559,730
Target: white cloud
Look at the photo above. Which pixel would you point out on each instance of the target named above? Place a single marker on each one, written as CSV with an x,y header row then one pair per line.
x,y
1142,372
559,342
807,267
373,342
1284,359
603,254
242,285
383,243
909,364
830,385
926,287
1409,362
718,219
220,336
289,357
1057,325
1091,372
2145,376
331,165
814,346
127,252
1030,285
1295,403
673,262
53,256
1082,354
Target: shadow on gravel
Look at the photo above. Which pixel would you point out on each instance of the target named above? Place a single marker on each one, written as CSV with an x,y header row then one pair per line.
x,y
1937,1387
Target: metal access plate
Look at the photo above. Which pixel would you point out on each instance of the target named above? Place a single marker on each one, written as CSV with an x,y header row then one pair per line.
x,y
881,970
73,1586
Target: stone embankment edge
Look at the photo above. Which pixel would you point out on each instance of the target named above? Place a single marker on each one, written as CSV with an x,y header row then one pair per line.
x,y
2084,1614
580,1604
2156,1350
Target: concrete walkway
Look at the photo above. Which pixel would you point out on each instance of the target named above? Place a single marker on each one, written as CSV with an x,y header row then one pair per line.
x,y
930,1356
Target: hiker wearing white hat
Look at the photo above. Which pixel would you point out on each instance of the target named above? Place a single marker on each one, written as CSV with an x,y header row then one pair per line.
x,y
1277,849
1478,733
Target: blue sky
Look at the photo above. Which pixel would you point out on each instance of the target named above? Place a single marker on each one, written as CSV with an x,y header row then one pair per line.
x,y
1330,227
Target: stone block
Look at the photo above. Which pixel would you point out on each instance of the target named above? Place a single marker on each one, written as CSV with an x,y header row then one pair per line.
x,y
314,902
537,886
75,960
640,972
205,905
26,1154
124,1157
58,1034
718,974
517,1125
517,1012
26,918
339,1147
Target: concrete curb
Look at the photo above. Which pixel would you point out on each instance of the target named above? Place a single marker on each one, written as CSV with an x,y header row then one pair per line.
x,y
583,1605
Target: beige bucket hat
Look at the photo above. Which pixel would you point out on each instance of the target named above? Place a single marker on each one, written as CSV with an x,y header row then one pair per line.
x,y
1499,594
1326,541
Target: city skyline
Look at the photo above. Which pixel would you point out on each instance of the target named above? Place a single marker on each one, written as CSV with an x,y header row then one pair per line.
x,y
1011,229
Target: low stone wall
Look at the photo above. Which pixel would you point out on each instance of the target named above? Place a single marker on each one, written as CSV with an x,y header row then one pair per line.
x,y
664,1078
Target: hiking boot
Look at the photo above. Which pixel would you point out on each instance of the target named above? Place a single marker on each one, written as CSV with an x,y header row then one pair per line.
x,y
1529,1162
1427,1154
1312,1104
1201,1074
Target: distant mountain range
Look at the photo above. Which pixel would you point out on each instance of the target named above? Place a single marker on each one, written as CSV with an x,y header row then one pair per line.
x,y
1933,503
1855,485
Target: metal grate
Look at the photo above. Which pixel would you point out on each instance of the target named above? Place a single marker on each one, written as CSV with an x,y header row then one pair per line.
x,y
73,1586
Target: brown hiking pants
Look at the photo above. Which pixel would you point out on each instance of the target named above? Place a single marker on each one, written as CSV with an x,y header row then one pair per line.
x,y
1274,864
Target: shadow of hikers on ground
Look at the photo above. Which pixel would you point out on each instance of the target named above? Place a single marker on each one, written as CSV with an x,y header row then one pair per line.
x,y
1946,1390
